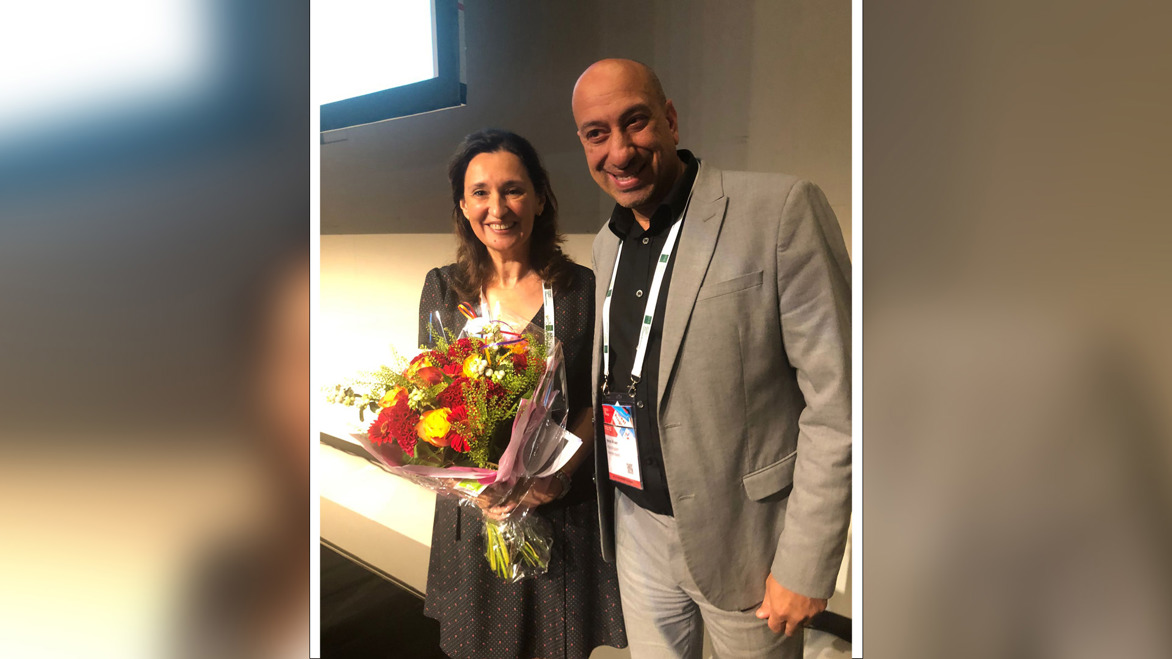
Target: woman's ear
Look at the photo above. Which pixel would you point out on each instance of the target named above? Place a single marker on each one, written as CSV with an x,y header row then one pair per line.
x,y
464,209
540,205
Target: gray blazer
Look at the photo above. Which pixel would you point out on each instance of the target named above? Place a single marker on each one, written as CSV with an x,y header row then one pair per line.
x,y
754,387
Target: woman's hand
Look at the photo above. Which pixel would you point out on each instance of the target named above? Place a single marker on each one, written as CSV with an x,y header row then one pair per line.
x,y
541,491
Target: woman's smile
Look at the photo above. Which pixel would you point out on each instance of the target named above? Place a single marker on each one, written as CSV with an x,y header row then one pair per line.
x,y
503,226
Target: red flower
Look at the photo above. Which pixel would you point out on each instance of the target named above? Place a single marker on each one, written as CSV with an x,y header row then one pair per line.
x,y
520,362
395,423
452,369
453,395
495,390
459,443
460,350
380,429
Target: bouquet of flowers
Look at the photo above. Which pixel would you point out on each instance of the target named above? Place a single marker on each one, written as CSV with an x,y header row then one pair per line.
x,y
478,417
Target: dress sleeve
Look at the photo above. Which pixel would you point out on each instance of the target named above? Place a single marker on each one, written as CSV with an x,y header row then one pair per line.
x,y
430,299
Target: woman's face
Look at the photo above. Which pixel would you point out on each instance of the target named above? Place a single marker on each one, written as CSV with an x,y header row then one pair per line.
x,y
500,202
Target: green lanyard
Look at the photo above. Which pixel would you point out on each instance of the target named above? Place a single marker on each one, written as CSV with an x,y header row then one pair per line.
x,y
648,310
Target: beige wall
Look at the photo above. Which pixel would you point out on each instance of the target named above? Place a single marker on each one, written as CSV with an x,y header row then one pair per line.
x,y
370,288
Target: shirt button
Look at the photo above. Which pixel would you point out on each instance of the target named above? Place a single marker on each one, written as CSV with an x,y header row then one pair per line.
x,y
639,293
646,240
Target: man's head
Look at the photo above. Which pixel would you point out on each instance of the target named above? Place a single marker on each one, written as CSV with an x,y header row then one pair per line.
x,y
629,132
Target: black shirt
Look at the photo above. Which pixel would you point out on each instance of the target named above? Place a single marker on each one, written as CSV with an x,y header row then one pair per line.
x,y
641,250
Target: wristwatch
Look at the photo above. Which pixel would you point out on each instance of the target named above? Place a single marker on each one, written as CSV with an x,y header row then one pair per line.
x,y
565,481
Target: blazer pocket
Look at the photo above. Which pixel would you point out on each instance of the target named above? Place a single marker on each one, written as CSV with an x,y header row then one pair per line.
x,y
770,480
727,286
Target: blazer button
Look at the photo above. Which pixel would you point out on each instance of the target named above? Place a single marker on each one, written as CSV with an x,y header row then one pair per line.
x,y
639,293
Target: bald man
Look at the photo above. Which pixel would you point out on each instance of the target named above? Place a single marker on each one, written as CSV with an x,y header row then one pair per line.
x,y
722,383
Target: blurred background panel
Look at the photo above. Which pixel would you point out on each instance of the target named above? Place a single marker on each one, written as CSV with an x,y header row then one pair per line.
x,y
154,216
1018,371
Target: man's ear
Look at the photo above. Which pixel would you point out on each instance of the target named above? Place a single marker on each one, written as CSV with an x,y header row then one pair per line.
x,y
673,120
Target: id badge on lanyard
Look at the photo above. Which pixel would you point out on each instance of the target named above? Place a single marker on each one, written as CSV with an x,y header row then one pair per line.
x,y
618,408
622,448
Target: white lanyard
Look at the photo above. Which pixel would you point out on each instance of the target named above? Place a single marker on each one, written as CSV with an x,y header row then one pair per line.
x,y
547,306
648,310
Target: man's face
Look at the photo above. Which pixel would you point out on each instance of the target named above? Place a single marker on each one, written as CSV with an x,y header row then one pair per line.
x,y
629,138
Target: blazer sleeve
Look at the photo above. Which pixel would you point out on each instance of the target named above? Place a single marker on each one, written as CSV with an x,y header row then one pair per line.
x,y
813,283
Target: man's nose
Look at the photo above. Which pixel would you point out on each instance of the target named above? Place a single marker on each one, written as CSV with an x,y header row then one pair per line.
x,y
620,150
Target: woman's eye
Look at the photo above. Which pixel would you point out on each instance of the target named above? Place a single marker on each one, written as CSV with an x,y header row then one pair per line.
x,y
515,192
479,193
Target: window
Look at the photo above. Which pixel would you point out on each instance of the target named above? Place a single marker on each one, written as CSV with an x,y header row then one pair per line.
x,y
377,60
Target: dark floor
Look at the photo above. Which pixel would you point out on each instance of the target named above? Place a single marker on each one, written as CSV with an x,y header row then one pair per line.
x,y
365,615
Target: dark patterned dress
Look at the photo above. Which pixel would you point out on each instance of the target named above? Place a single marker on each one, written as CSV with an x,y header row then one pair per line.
x,y
574,607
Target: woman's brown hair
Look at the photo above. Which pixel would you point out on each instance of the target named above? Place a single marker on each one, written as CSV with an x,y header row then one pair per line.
x,y
474,266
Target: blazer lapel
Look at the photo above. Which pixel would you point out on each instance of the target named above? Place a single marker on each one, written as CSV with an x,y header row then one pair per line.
x,y
702,222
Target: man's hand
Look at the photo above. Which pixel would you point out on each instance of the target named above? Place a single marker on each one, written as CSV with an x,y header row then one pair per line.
x,y
786,610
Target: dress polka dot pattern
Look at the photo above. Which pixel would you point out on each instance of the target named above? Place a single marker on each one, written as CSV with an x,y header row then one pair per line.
x,y
574,607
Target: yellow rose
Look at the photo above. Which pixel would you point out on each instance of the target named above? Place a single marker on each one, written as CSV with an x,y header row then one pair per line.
x,y
471,364
433,427
391,397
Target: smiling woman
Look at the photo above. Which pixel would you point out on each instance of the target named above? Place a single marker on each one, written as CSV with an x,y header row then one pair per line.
x,y
505,220
500,203
503,208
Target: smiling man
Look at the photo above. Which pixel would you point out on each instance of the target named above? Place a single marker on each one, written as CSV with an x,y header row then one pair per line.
x,y
722,374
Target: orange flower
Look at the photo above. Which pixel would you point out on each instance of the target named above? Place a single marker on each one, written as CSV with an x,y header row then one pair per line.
x,y
519,347
430,375
433,427
391,397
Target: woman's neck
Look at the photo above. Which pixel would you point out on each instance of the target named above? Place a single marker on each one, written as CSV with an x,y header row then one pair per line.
x,y
508,271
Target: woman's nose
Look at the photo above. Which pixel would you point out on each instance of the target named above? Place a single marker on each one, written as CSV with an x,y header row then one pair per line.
x,y
497,207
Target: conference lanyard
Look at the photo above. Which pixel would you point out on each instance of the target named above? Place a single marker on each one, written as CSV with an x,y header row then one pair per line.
x,y
648,310
547,307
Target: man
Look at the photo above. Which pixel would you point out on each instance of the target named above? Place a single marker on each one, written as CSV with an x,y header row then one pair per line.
x,y
722,383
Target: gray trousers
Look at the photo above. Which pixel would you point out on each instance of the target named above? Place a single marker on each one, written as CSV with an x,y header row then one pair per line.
x,y
664,612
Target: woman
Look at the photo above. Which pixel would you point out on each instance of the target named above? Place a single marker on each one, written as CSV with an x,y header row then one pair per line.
x,y
508,252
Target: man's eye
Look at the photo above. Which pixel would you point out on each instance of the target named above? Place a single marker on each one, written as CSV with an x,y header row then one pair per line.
x,y
594,135
638,123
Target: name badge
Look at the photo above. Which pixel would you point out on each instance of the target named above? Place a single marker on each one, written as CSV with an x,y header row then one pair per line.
x,y
622,449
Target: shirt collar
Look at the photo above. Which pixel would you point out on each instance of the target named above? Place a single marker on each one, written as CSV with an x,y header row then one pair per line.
x,y
623,219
